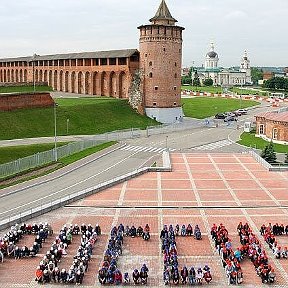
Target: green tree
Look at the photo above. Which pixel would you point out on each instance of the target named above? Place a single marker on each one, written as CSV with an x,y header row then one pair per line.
x,y
186,80
256,74
208,82
268,153
196,80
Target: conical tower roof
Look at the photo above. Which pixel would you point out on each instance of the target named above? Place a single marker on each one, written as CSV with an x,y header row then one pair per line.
x,y
163,13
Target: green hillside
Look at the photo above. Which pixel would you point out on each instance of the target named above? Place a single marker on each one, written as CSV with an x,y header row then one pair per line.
x,y
86,116
202,107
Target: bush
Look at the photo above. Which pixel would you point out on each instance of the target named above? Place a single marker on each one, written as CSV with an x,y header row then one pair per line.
x,y
268,153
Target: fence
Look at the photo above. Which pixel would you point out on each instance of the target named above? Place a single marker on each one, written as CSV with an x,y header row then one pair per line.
x,y
46,157
275,167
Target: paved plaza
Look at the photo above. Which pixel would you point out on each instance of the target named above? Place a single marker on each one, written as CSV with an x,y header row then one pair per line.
x,y
202,189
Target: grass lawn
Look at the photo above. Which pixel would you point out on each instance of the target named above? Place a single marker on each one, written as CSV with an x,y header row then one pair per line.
x,y
86,116
12,153
248,91
209,89
203,107
249,140
11,89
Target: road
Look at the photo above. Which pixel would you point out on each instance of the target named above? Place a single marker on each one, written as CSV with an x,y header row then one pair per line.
x,y
92,171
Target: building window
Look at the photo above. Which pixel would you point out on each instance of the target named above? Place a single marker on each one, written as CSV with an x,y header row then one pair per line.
x,y
146,55
164,49
154,104
175,75
175,87
174,103
175,64
156,87
122,61
150,63
261,129
275,134
150,75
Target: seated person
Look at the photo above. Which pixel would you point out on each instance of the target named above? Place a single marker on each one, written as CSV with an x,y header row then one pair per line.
x,y
189,230
132,232
183,230
139,231
126,278
147,228
197,233
146,236
136,276
39,275
118,277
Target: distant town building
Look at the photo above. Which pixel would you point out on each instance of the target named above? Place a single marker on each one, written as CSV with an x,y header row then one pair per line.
x,y
221,76
272,126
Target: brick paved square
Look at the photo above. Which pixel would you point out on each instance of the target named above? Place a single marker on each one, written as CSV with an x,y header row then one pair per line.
x,y
180,195
215,195
271,183
140,195
172,184
141,183
175,190
204,175
210,184
233,175
198,167
248,194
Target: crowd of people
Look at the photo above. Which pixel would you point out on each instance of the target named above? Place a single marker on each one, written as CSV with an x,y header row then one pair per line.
x,y
9,242
252,248
188,231
48,270
276,229
139,232
172,274
109,273
269,232
230,259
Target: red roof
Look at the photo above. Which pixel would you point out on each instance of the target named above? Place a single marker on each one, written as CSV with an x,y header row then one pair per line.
x,y
282,116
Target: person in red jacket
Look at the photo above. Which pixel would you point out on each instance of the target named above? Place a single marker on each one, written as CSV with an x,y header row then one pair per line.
x,y
118,277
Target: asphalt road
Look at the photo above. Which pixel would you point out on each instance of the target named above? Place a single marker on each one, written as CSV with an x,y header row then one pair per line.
x,y
92,171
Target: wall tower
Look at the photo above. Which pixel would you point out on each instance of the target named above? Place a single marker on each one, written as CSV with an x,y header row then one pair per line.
x,y
160,60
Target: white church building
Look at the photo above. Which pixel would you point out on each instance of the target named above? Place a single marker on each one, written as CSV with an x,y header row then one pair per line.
x,y
222,76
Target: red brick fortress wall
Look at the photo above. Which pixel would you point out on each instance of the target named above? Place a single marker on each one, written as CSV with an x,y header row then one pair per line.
x,y
9,102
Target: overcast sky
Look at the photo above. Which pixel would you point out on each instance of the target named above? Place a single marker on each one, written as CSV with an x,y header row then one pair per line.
x,y
61,26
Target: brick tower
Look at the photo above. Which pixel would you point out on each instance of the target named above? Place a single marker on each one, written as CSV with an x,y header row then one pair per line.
x,y
160,60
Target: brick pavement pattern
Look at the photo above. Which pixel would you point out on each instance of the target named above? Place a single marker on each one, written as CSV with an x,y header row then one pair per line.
x,y
202,189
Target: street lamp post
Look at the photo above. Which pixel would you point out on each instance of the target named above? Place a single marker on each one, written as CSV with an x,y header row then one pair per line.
x,y
67,126
33,68
55,132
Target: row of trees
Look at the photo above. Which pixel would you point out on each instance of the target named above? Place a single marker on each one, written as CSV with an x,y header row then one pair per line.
x,y
187,80
276,83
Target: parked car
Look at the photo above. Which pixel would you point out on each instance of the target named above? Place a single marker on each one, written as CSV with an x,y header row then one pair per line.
x,y
231,114
230,118
242,111
220,116
237,113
